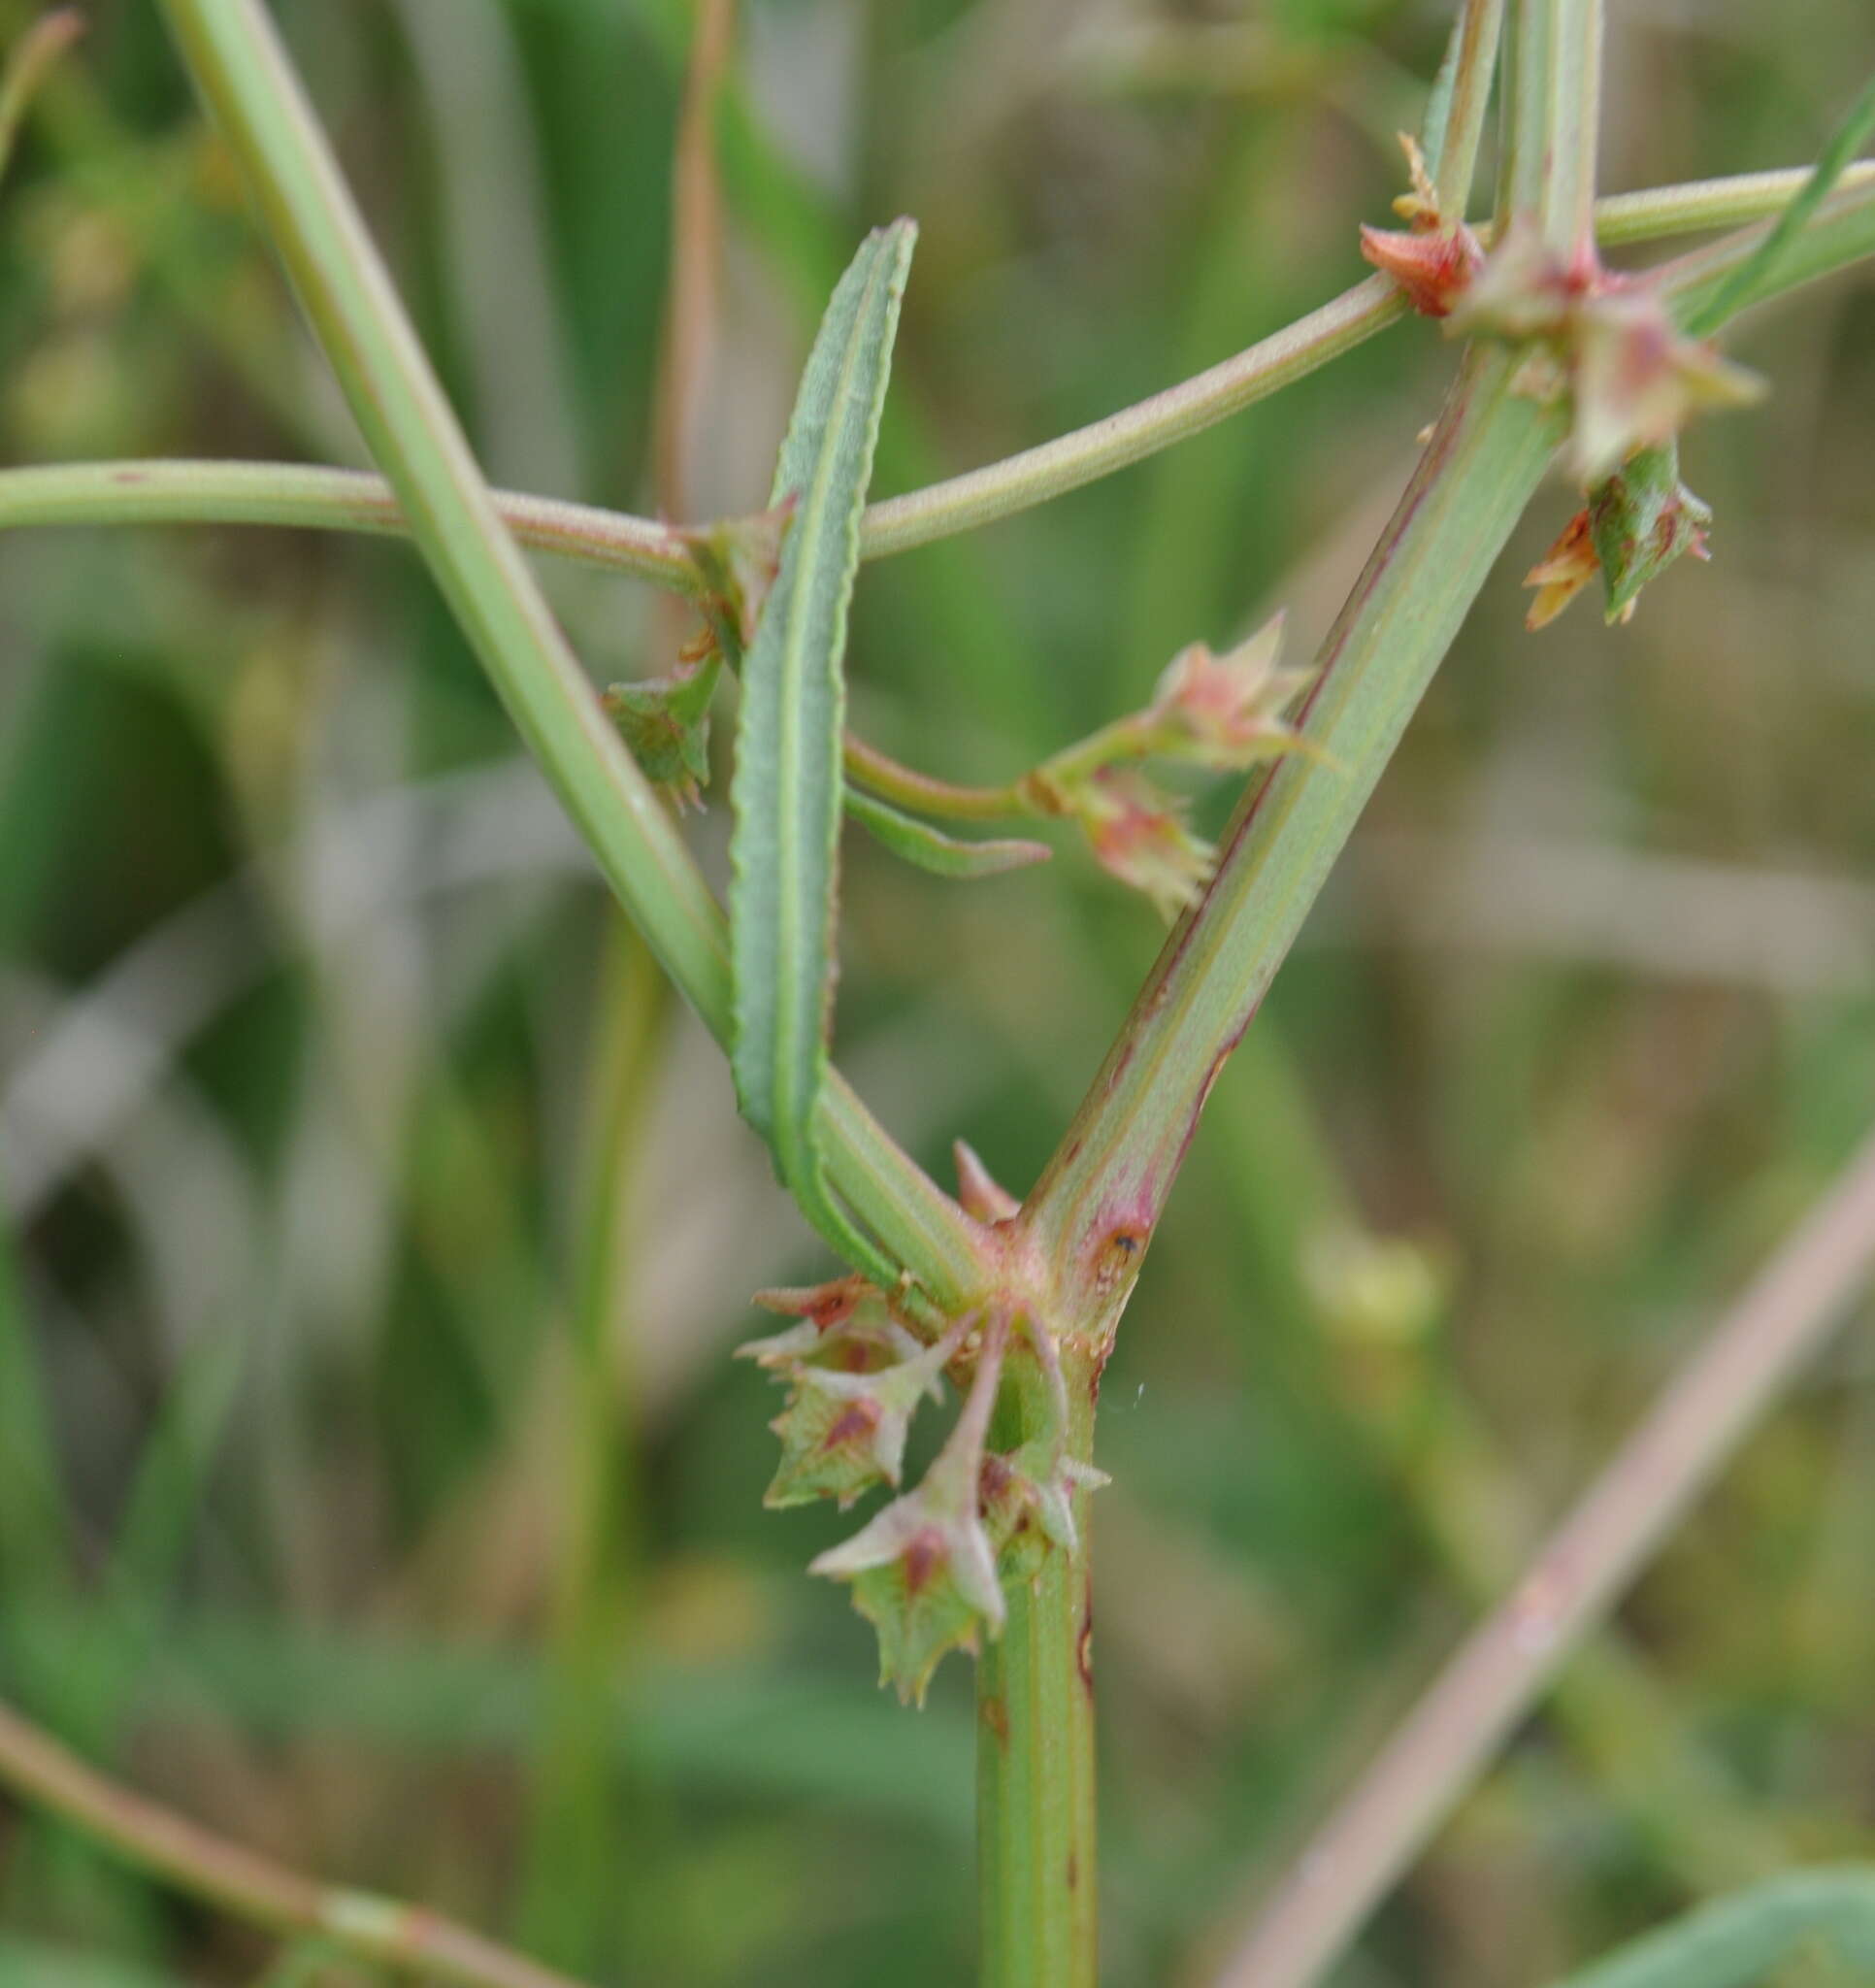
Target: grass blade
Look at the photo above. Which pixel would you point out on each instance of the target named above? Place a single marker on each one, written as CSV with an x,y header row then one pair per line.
x,y
931,848
1737,1941
784,850
1746,283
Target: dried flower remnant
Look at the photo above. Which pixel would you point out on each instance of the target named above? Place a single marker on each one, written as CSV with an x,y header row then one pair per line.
x,y
1436,257
738,562
665,720
1563,571
1638,380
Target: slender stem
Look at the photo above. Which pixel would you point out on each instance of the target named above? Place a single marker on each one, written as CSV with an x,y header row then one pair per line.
x,y
1842,231
1500,1672
1473,58
1103,1190
244,75
1036,474
1036,1843
1755,277
1658,211
1552,98
38,1768
878,773
317,499
1100,1194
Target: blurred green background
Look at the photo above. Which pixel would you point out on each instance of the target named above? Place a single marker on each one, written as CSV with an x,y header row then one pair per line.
x,y
375,1483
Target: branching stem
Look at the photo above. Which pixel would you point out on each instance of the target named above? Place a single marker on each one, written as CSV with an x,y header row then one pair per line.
x,y
39,1769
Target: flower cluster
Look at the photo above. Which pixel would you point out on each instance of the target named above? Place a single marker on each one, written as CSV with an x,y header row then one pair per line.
x,y
1607,341
665,720
930,1570
1216,713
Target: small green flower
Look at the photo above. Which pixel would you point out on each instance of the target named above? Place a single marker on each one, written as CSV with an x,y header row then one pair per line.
x,y
1636,524
665,720
1642,520
844,1432
923,1572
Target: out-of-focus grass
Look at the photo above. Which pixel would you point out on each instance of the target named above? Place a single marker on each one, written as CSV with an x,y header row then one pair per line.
x,y
301,1449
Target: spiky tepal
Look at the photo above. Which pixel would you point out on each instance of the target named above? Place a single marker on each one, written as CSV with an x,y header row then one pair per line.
x,y
1212,713
930,1569
1605,342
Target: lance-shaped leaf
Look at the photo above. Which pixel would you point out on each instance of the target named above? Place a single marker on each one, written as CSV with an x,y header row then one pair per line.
x,y
930,848
787,792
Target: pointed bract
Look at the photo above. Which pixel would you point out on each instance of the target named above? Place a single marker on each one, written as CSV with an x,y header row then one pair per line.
x,y
978,1191
1435,267
1563,571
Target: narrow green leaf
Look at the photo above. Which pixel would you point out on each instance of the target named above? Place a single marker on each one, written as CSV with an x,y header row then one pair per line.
x,y
1737,1941
784,846
931,848
27,64
1746,283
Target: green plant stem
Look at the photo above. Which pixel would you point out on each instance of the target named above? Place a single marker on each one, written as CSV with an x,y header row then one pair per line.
x,y
378,1930
244,74
1036,1840
1552,98
878,773
1746,283
1659,212
1465,77
1108,1178
1585,1564
1842,231
978,497
318,499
